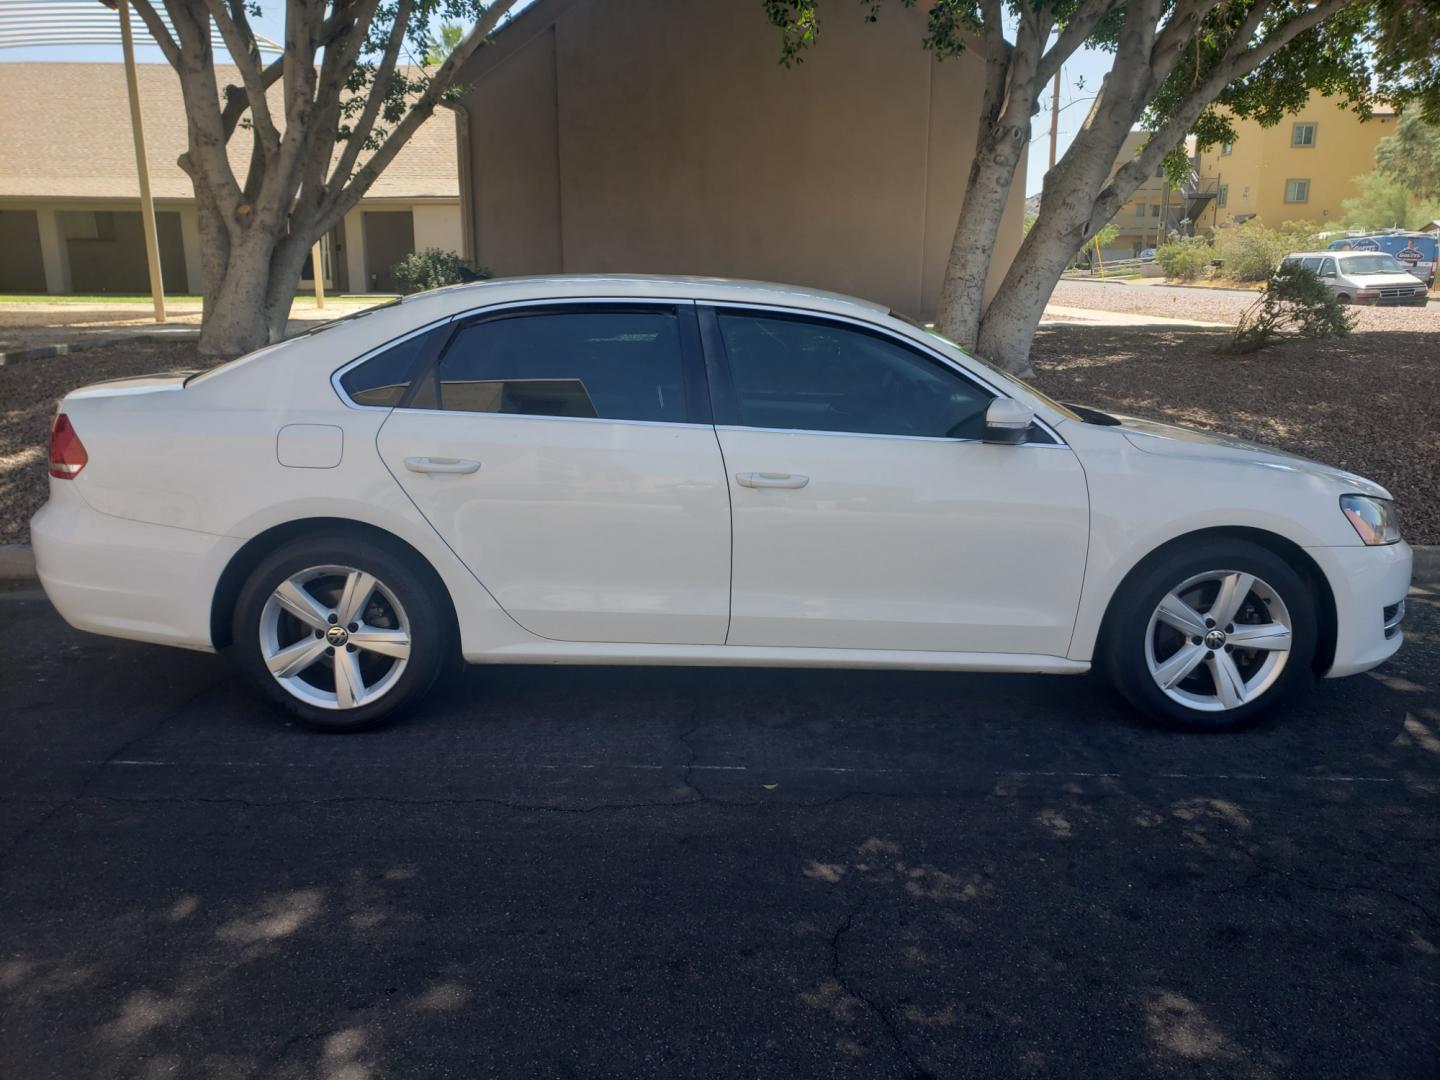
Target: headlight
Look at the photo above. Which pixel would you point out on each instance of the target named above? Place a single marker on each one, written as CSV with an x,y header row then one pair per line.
x,y
1376,520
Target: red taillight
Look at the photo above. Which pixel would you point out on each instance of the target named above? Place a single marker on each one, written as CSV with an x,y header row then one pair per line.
x,y
67,452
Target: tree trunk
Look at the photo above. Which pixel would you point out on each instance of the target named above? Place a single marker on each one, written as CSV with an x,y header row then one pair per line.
x,y
962,295
1071,211
235,321
286,265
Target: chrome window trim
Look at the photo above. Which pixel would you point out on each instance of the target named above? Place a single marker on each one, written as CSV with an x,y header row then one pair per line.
x,y
344,369
904,339
663,301
471,313
893,438
556,419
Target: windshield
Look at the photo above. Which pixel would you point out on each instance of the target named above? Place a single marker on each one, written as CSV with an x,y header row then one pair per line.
x,y
1003,376
1372,264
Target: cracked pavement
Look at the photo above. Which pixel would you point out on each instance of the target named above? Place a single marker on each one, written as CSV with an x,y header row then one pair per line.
x,y
601,872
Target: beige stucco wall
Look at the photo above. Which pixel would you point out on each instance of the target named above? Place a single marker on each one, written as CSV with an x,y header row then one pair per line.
x,y
437,225
600,143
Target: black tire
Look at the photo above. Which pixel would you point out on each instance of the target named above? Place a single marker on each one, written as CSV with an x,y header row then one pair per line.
x,y
417,600
1128,628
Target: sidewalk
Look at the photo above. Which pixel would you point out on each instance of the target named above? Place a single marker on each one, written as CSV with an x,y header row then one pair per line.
x,y
31,330
1059,315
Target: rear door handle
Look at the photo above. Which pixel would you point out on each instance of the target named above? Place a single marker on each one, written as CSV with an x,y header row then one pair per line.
x,y
771,480
441,465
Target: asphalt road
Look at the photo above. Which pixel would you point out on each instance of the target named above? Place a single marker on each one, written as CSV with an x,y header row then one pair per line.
x,y
700,873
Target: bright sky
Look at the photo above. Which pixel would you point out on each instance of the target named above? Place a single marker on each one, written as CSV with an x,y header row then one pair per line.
x,y
1078,84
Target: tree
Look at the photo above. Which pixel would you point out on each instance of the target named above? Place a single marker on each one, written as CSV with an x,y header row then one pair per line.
x,y
344,94
1180,66
1387,203
1411,156
438,48
1018,65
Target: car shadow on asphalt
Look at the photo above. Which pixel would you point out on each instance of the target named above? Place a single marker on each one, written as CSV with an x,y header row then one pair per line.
x,y
670,871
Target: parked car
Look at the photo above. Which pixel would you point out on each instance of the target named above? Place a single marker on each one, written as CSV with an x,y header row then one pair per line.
x,y
1363,277
1418,252
610,470
1147,255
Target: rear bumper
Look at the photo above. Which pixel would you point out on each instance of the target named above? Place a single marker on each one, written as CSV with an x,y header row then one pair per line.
x,y
1365,582
125,578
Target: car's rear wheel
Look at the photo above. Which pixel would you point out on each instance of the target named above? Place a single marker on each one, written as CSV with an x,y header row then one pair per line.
x,y
340,633
1212,636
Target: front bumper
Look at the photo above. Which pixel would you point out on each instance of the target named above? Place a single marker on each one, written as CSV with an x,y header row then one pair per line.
x,y
1368,584
128,579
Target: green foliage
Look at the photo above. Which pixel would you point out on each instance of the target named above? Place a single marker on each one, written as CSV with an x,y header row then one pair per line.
x,y
1249,252
1411,156
1105,236
431,269
438,49
1385,203
1295,303
1185,258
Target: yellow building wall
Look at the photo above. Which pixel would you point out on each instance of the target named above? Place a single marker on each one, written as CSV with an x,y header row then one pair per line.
x,y
1262,160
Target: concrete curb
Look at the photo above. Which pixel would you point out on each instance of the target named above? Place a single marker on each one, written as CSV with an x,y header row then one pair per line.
x,y
45,352
17,563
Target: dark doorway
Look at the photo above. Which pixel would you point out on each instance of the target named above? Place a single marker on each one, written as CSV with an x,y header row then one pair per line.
x,y
389,237
22,270
107,251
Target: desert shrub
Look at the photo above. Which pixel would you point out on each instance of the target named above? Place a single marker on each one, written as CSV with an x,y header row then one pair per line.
x,y
1185,258
1295,303
432,268
1249,252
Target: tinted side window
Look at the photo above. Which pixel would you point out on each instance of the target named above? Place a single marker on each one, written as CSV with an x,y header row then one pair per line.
x,y
817,376
1311,264
611,365
383,379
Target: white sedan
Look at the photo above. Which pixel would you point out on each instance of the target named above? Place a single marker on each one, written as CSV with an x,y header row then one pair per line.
x,y
607,470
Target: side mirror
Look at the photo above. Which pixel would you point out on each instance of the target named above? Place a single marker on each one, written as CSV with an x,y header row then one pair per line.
x,y
1007,422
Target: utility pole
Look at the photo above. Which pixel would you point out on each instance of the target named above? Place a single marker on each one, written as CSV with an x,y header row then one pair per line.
x,y
147,202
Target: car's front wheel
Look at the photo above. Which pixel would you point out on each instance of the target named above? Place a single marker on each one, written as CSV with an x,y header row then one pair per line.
x,y
340,633
1211,636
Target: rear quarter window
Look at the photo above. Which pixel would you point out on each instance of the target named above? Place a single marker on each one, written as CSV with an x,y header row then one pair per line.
x,y
381,381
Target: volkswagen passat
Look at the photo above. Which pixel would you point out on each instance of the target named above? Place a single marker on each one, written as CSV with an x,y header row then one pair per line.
x,y
606,470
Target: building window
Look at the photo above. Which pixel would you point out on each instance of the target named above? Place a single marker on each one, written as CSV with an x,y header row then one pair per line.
x,y
1154,209
1225,148
1297,191
1302,135
1222,196
1160,171
1139,209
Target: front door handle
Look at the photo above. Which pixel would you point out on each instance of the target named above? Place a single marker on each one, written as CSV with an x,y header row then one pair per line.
x,y
771,480
441,465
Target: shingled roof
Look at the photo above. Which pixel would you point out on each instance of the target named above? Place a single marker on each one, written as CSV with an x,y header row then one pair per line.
x,y
65,133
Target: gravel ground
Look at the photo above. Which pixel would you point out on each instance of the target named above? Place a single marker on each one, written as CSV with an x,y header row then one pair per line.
x,y
1307,398
28,394
1369,403
1206,305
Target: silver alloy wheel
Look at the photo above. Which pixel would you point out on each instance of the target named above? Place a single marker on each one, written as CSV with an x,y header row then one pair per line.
x,y
334,637
1218,640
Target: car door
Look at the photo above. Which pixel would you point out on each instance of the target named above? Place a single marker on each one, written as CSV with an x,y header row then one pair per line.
x,y
867,513
565,452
